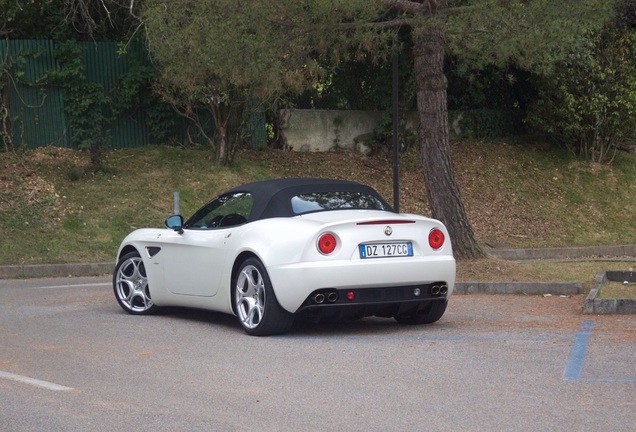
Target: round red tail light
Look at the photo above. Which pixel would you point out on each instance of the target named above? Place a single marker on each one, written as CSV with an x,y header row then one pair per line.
x,y
326,243
436,238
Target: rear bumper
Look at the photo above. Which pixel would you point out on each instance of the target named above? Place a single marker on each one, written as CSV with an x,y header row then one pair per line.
x,y
377,281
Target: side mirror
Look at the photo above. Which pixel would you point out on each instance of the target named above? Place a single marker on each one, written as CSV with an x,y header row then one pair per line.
x,y
175,222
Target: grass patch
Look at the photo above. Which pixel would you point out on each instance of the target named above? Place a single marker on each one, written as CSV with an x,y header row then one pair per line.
x,y
515,271
617,290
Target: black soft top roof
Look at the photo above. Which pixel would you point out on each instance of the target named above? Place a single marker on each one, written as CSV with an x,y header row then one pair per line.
x,y
272,198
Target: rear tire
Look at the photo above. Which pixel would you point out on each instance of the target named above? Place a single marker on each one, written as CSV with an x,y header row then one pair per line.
x,y
255,304
426,314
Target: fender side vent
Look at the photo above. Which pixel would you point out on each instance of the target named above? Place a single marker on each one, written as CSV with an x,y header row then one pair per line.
x,y
152,251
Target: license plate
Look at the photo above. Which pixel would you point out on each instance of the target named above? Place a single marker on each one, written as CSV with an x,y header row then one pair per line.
x,y
386,250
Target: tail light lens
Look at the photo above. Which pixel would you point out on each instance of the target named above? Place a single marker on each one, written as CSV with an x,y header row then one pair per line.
x,y
436,239
326,243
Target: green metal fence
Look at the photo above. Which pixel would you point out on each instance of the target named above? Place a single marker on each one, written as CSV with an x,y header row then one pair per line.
x,y
105,66
36,108
36,111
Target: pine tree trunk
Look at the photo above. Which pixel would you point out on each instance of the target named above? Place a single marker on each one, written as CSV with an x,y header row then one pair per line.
x,y
443,193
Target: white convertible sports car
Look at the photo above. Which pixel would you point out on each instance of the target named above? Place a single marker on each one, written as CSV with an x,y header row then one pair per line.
x,y
273,250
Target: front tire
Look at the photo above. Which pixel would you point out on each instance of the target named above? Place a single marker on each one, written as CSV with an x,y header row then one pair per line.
x,y
255,304
130,284
427,314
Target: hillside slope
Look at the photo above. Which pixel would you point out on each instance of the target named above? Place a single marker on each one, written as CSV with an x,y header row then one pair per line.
x,y
516,193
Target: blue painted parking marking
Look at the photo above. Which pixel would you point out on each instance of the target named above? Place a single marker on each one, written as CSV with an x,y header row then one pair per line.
x,y
574,367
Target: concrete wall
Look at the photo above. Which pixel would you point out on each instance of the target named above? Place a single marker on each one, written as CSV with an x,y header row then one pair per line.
x,y
323,130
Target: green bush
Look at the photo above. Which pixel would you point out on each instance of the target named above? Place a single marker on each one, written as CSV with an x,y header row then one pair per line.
x,y
589,102
481,123
382,135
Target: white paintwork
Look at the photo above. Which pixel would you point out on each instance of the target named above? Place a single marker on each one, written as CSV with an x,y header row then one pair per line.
x,y
194,269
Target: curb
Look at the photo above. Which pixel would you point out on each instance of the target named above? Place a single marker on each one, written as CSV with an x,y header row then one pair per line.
x,y
55,270
595,305
565,253
526,288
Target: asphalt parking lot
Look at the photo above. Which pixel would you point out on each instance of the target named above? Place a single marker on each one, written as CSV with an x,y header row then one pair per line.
x,y
72,360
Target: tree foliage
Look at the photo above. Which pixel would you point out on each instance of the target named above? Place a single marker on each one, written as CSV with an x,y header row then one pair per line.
x,y
532,34
225,58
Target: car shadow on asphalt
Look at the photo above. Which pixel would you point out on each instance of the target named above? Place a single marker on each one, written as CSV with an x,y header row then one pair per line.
x,y
369,326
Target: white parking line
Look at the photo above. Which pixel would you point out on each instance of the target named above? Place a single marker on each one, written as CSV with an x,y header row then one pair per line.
x,y
34,382
73,285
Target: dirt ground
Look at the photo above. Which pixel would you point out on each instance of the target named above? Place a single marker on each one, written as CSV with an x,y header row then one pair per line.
x,y
555,312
